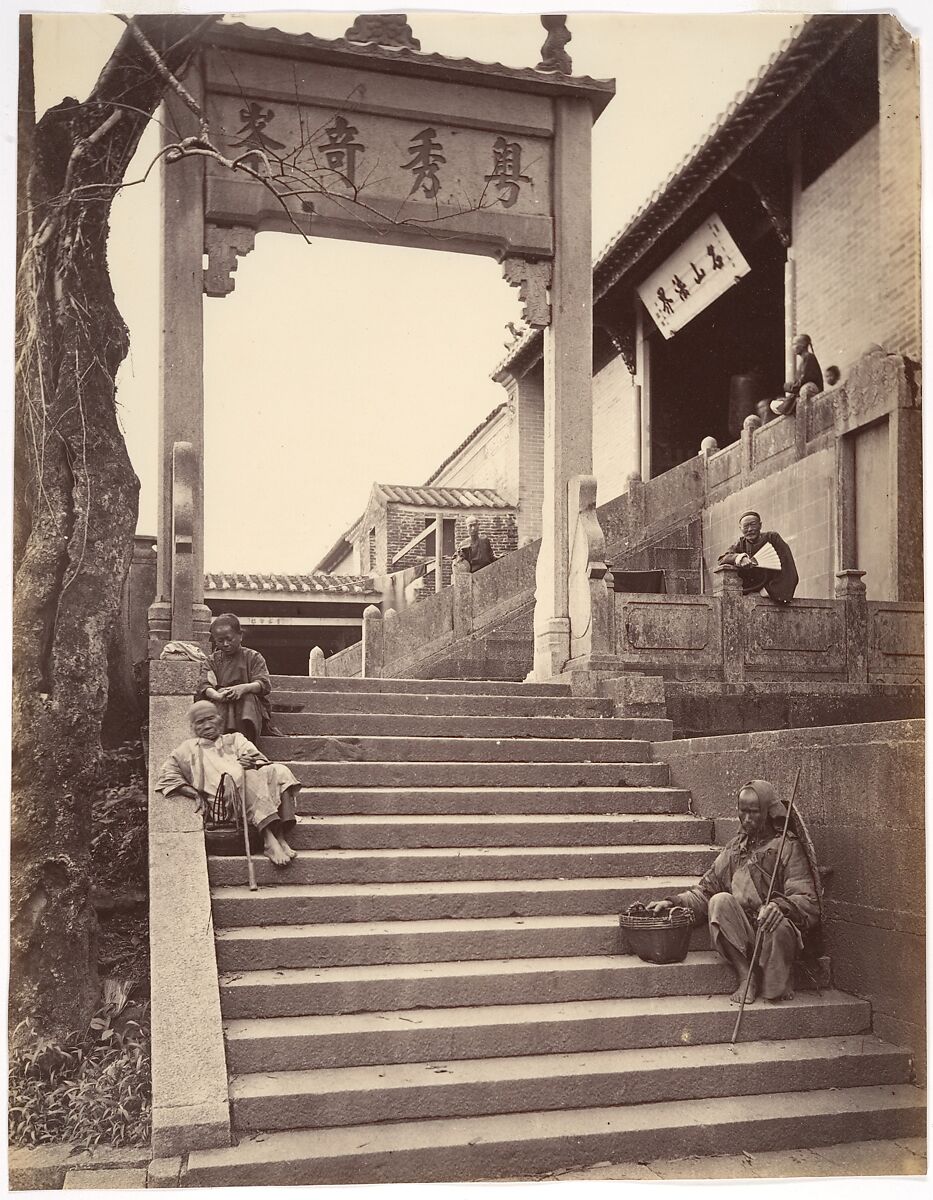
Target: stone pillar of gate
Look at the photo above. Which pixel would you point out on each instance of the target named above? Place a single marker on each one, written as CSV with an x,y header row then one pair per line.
x,y
181,367
568,371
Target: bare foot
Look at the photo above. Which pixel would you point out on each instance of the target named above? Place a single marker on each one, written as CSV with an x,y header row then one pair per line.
x,y
777,999
736,997
286,847
273,851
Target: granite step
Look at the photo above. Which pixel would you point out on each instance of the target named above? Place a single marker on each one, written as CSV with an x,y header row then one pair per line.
x,y
306,903
422,687
367,724
465,863
514,1145
322,1098
317,991
462,749
450,705
509,1030
343,944
442,802
480,774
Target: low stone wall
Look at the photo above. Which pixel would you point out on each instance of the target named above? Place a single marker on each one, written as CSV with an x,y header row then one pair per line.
x,y
345,664
861,793
190,1105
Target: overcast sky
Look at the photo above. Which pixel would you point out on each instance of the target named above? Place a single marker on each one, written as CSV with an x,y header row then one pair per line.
x,y
342,363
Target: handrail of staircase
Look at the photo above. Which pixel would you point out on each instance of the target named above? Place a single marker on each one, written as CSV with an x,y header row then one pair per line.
x,y
190,1102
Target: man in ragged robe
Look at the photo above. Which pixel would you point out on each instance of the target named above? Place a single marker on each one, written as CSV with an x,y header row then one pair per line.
x,y
731,896
196,766
780,583
242,684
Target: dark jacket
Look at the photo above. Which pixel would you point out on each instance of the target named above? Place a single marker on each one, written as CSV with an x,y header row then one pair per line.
x,y
780,585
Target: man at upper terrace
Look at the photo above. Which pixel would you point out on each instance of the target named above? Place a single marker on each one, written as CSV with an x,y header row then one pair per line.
x,y
763,560
478,551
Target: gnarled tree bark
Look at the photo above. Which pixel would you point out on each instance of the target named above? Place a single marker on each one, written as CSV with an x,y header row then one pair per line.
x,y
76,508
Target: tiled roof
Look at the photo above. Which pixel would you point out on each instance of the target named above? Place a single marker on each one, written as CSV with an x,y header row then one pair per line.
x,y
316,581
466,441
236,35
441,497
777,82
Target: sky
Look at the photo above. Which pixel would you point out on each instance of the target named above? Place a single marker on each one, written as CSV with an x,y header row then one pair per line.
x,y
340,363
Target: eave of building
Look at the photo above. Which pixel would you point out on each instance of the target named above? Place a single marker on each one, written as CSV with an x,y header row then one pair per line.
x,y
316,587
778,83
403,61
466,441
440,497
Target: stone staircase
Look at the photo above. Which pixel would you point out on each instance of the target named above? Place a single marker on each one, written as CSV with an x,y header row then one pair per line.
x,y
435,988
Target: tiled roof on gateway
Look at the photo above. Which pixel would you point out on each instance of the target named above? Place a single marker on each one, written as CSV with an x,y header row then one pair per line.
x,y
316,581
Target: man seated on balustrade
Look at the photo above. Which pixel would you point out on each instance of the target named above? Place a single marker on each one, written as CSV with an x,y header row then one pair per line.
x,y
731,896
197,767
478,551
763,560
242,680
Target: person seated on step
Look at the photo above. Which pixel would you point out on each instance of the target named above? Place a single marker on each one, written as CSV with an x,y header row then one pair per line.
x,y
731,896
196,766
242,679
763,560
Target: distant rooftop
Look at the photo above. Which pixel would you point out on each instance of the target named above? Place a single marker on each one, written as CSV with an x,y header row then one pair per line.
x,y
316,582
440,497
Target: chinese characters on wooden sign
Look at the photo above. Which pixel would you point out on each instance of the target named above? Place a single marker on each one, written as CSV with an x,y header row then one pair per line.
x,y
371,155
704,267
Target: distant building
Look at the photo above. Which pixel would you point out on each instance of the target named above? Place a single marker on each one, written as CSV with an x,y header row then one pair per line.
x,y
397,533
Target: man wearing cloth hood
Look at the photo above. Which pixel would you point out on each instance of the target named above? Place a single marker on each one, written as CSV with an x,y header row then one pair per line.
x,y
731,895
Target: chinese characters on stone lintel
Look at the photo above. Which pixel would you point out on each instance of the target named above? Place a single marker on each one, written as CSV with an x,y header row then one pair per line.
x,y
342,151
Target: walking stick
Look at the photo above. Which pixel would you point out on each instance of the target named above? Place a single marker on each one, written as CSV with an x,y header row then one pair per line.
x,y
250,873
758,935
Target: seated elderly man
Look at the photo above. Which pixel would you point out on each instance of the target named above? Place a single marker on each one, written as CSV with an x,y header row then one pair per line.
x,y
196,766
731,895
763,560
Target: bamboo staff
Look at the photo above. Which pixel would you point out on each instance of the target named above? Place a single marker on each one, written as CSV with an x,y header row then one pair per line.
x,y
758,935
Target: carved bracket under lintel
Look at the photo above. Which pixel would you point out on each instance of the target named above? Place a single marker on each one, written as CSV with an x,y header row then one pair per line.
x,y
223,245
532,280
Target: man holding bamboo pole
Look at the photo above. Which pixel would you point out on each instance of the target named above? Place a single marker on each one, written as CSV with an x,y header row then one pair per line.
x,y
732,896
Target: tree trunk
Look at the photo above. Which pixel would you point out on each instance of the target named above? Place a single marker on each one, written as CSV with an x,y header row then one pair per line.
x,y
76,516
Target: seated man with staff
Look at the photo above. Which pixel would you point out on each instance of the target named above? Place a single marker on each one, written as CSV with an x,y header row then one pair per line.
x,y
732,893
763,560
196,767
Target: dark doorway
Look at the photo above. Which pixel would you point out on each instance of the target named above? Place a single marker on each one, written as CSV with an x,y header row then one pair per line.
x,y
740,334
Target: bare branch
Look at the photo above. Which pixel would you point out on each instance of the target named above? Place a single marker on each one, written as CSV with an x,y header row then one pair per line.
x,y
172,81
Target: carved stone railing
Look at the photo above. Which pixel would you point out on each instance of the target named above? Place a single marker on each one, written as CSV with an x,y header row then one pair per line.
x,y
731,638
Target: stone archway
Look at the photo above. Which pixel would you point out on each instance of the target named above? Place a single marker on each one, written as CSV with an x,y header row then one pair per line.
x,y
365,138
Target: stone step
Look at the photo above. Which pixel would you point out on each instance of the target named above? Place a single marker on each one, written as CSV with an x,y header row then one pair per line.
x,y
450,864
421,687
491,801
317,991
415,704
517,1145
307,903
367,724
386,832
343,944
463,750
477,1087
480,774
507,1030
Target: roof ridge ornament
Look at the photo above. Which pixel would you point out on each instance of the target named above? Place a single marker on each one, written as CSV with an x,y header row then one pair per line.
x,y
553,55
390,31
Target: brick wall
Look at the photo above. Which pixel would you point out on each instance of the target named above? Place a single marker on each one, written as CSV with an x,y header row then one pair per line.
x,y
837,247
797,502
404,523
899,84
615,453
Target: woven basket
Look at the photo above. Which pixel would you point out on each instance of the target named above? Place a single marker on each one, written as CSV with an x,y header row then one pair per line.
x,y
657,939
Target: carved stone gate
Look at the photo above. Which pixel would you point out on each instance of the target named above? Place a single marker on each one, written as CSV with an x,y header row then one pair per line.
x,y
368,139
